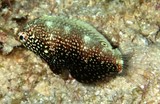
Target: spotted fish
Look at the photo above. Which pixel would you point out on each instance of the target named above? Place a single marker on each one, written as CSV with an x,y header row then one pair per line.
x,y
72,45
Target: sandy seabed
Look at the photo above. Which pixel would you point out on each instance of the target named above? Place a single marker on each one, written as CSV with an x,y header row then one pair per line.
x,y
132,25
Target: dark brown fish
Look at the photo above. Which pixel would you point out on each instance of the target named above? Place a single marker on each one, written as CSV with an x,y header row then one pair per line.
x,y
73,45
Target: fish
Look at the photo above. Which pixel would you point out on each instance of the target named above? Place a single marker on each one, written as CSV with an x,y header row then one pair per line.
x,y
73,45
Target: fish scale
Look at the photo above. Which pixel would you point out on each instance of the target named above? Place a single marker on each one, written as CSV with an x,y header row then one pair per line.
x,y
72,45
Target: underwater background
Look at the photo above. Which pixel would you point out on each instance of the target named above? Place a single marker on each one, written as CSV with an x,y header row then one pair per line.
x,y
131,25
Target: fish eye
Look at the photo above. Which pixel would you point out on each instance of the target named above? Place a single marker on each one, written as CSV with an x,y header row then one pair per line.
x,y
22,36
